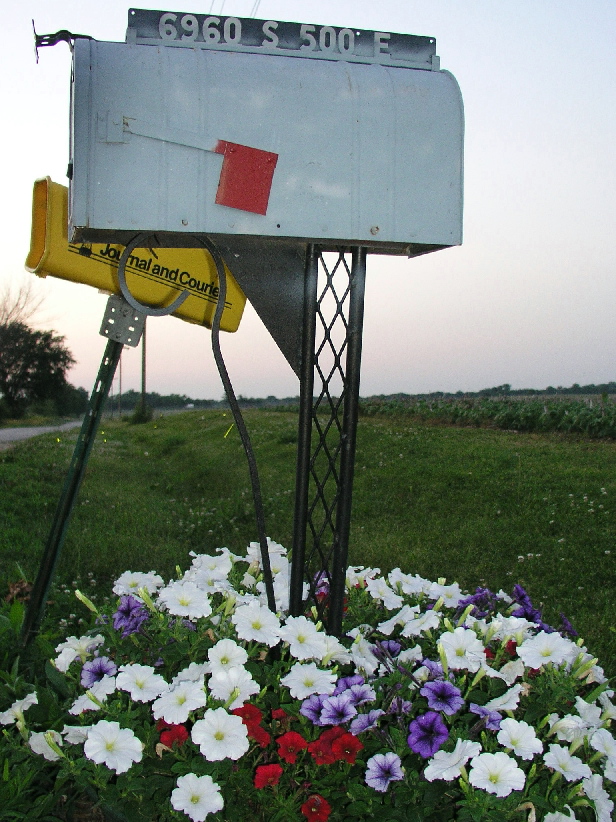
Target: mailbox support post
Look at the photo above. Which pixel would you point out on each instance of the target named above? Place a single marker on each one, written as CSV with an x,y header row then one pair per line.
x,y
66,503
329,404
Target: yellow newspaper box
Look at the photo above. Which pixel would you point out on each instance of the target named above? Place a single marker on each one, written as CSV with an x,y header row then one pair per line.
x,y
155,277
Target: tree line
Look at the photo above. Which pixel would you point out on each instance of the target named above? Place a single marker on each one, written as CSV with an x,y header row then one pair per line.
x,y
33,363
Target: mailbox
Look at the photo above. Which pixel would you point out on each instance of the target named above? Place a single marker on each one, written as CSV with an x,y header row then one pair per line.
x,y
195,128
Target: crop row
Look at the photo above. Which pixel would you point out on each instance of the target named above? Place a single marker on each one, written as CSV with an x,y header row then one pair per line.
x,y
592,419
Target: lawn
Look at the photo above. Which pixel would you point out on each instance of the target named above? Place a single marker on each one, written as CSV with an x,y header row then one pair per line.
x,y
479,506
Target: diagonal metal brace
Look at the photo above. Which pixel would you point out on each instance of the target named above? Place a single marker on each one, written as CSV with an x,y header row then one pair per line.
x,y
66,503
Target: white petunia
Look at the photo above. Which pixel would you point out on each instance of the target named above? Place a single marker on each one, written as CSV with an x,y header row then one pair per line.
x,y
557,816
593,788
220,565
39,744
275,550
303,638
141,681
255,623
422,623
567,728
131,581
75,734
306,679
590,713
96,694
520,737
15,713
109,744
409,584
185,599
381,592
603,742
226,654
195,672
545,649
609,709
448,766
177,703
335,652
571,767
404,615
75,648
516,628
197,796
234,682
496,773
451,594
462,649
507,701
220,735
363,656
508,673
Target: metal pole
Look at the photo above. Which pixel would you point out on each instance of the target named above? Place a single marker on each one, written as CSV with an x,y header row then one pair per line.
x,y
83,447
302,471
348,440
143,355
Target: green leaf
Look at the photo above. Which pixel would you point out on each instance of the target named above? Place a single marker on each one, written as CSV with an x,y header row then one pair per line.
x,y
16,615
57,680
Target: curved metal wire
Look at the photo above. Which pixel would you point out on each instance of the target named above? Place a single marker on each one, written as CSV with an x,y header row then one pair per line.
x,y
150,310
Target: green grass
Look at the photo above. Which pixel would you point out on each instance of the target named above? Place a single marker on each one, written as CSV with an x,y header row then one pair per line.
x,y
482,507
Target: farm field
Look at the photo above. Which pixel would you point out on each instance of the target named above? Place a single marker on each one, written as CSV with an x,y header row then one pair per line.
x,y
475,505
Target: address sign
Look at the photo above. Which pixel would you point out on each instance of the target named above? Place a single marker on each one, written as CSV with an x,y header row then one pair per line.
x,y
273,37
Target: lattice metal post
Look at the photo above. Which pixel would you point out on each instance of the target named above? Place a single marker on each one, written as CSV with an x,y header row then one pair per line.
x,y
329,397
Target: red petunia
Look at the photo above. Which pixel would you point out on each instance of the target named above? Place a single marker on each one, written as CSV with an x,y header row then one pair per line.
x,y
289,745
321,748
250,714
259,734
512,647
266,775
171,733
347,747
316,808
278,713
489,653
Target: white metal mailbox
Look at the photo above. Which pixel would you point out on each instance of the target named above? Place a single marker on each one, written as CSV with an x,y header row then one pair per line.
x,y
255,143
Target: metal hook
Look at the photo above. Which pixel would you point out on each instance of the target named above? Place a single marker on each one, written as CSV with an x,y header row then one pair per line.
x,y
150,310
51,39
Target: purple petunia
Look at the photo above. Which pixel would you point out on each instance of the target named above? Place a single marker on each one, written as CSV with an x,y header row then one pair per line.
x,y
365,722
312,707
484,602
337,709
95,669
442,696
360,694
130,615
435,669
492,719
346,682
427,733
383,769
386,649
400,706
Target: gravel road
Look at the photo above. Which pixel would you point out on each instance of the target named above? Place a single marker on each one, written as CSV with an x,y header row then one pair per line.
x,y
9,436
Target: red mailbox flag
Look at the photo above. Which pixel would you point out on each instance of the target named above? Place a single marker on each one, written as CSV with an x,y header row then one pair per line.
x,y
246,177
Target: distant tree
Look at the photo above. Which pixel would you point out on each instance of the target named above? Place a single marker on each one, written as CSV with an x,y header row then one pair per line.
x,y
33,366
18,307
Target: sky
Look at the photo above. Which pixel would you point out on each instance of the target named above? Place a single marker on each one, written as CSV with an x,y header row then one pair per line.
x,y
527,299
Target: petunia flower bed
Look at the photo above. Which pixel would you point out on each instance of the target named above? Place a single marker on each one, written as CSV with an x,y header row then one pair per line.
x,y
192,700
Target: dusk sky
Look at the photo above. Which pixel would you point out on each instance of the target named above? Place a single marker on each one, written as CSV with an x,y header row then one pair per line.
x,y
529,297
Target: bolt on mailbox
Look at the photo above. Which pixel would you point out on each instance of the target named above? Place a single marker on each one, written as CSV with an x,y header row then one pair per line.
x,y
216,125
